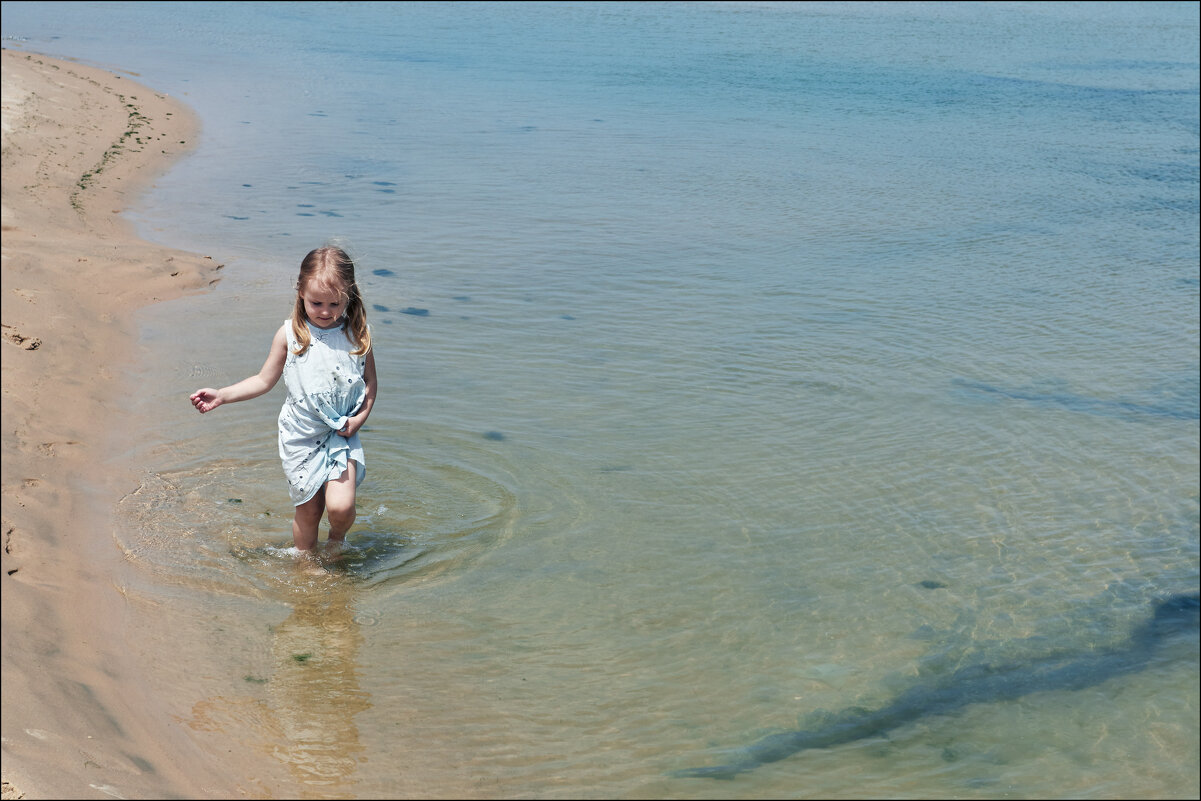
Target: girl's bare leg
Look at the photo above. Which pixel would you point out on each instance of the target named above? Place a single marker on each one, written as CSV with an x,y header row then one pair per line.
x,y
306,520
340,504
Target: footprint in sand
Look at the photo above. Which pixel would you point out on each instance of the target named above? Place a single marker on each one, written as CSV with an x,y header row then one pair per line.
x,y
17,338
49,448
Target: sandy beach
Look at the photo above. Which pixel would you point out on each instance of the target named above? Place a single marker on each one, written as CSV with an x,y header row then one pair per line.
x,y
79,144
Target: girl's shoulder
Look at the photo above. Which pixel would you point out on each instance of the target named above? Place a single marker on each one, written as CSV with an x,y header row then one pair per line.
x,y
284,335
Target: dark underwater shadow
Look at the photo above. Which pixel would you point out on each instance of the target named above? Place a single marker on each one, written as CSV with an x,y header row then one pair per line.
x,y
1179,401
1173,620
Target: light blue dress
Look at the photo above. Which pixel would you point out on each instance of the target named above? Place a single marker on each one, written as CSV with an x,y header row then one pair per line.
x,y
325,387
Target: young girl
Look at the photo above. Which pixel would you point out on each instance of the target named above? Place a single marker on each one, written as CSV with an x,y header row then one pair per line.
x,y
324,354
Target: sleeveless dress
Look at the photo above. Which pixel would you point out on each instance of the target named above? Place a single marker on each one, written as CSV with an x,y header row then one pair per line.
x,y
325,387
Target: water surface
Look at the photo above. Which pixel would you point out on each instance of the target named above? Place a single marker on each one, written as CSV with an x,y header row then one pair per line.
x,y
738,361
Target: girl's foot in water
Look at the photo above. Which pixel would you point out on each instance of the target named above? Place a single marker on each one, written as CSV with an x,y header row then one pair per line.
x,y
334,551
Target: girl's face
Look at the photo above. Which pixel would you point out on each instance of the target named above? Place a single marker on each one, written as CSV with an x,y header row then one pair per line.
x,y
323,305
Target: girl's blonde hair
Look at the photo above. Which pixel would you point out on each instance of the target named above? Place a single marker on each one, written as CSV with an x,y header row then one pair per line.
x,y
330,268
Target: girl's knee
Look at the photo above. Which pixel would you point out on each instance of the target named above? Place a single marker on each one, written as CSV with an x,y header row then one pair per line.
x,y
342,512
341,518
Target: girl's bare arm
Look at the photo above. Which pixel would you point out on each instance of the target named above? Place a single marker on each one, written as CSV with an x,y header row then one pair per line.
x,y
207,399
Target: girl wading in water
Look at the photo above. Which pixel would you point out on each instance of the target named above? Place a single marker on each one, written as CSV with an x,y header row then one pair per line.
x,y
323,351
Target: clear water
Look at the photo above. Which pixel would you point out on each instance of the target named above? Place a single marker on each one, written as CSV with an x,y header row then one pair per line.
x,y
738,361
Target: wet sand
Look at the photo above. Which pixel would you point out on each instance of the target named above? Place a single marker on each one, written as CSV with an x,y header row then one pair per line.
x,y
79,145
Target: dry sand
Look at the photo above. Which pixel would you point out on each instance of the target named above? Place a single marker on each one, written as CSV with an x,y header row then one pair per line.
x,y
79,144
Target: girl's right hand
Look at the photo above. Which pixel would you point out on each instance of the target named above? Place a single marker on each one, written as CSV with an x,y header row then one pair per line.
x,y
205,400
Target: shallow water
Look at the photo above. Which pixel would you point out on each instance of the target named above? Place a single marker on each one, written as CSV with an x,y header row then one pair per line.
x,y
737,362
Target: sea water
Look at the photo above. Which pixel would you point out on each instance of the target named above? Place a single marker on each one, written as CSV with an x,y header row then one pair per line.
x,y
738,361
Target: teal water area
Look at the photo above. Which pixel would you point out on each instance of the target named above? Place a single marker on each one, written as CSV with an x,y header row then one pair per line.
x,y
741,364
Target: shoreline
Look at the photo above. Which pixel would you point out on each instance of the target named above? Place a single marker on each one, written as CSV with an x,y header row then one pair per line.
x,y
79,145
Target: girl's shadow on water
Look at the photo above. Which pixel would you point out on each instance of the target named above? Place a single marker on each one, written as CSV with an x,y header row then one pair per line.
x,y
305,709
304,712
313,693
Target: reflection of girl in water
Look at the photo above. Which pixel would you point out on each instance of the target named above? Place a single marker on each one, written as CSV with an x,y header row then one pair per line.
x,y
314,691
